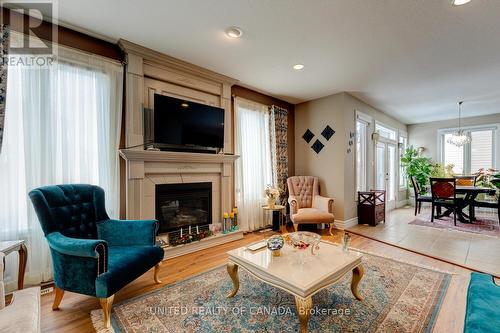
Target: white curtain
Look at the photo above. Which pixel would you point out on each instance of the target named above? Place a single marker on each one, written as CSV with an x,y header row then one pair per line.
x,y
253,169
62,126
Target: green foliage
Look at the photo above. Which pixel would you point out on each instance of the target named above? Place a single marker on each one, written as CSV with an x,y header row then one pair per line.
x,y
418,166
438,171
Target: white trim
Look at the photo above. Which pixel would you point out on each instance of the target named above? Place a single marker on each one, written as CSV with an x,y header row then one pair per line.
x,y
402,203
342,225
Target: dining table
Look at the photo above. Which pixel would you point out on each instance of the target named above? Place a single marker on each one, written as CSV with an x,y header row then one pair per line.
x,y
470,194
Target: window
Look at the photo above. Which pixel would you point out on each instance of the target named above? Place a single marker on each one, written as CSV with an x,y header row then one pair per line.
x,y
385,132
403,144
481,150
62,126
253,170
471,157
361,168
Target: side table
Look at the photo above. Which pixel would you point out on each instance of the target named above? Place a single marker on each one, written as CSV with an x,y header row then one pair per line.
x,y
17,245
279,212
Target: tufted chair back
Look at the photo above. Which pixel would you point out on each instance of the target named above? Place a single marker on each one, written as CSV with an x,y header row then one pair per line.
x,y
303,188
72,210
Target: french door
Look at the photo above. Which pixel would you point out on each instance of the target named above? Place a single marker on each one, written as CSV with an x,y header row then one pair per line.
x,y
385,171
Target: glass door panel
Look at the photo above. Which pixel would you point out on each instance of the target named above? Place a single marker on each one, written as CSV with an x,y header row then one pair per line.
x,y
380,167
385,172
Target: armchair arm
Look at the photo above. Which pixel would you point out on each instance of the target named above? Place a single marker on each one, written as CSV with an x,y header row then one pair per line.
x,y
128,232
77,247
323,203
294,204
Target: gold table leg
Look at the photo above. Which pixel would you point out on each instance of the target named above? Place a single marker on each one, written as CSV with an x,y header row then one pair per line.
x,y
357,275
232,270
304,306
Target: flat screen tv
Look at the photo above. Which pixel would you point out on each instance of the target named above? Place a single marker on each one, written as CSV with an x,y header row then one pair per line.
x,y
179,122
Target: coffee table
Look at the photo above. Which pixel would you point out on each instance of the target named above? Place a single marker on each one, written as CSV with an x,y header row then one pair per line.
x,y
285,272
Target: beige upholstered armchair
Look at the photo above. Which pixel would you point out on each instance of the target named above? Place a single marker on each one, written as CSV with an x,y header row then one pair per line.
x,y
23,314
306,205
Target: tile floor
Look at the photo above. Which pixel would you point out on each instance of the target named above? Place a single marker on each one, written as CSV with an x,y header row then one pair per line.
x,y
475,251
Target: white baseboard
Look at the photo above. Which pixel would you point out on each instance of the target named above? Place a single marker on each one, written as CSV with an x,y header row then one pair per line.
x,y
340,224
401,203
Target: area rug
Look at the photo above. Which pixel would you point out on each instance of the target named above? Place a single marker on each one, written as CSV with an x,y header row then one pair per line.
x,y
398,297
486,224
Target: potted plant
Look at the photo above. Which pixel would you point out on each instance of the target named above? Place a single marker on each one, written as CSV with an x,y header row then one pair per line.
x,y
418,166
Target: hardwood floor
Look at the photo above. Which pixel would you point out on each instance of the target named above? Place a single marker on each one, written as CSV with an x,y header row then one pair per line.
x,y
74,313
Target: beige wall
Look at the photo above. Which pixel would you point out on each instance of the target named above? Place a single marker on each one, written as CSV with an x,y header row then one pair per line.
x,y
426,134
334,166
328,165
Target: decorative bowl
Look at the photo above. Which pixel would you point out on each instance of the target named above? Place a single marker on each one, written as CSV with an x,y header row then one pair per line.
x,y
303,240
275,244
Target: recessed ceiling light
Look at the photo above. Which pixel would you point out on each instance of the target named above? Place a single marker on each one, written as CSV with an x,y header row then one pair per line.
x,y
298,67
460,2
234,32
185,105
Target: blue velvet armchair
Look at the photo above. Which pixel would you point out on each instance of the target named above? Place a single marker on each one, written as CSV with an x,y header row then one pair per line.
x,y
91,253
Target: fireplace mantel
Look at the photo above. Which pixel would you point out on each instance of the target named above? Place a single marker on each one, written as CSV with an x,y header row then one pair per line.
x,y
145,169
179,157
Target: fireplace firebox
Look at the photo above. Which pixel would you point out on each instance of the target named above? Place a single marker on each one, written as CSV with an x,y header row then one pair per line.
x,y
183,205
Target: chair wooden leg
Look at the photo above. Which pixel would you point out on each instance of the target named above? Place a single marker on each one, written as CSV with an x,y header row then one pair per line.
x,y
432,213
419,206
331,229
107,305
416,207
455,217
157,271
57,299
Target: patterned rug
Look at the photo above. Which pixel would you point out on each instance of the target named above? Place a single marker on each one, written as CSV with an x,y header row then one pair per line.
x,y
398,297
486,223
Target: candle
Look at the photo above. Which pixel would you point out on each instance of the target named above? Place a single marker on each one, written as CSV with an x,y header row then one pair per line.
x,y
197,230
190,229
181,233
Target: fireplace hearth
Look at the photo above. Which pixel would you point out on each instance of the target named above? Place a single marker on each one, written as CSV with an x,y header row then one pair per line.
x,y
183,205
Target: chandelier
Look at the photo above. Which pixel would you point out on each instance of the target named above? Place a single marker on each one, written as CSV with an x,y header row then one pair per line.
x,y
460,137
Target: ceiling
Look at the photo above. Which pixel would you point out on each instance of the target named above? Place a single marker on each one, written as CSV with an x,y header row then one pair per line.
x,y
412,59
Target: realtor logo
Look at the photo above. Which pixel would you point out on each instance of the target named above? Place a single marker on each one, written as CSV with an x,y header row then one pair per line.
x,y
33,32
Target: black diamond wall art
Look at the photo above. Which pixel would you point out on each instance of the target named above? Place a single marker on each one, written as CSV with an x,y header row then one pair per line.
x,y
328,132
308,135
317,146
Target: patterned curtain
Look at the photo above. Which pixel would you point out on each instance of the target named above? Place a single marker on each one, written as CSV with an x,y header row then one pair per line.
x,y
279,146
4,51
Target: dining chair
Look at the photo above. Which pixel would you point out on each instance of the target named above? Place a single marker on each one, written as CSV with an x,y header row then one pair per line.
x,y
488,204
419,197
444,194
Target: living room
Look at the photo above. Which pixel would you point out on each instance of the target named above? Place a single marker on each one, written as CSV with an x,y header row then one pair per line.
x,y
216,166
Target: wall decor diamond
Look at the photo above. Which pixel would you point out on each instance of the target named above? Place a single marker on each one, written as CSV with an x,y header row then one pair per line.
x,y
317,146
308,135
328,132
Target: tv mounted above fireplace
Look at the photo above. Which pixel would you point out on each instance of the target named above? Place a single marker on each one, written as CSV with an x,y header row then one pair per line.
x,y
180,124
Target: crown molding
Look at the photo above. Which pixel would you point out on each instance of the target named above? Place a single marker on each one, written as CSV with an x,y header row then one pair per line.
x,y
166,60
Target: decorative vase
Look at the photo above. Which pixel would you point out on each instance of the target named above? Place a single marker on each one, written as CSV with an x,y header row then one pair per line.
x,y
275,244
271,202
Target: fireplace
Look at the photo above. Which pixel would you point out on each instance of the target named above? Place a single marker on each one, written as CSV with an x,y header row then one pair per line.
x,y
183,205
